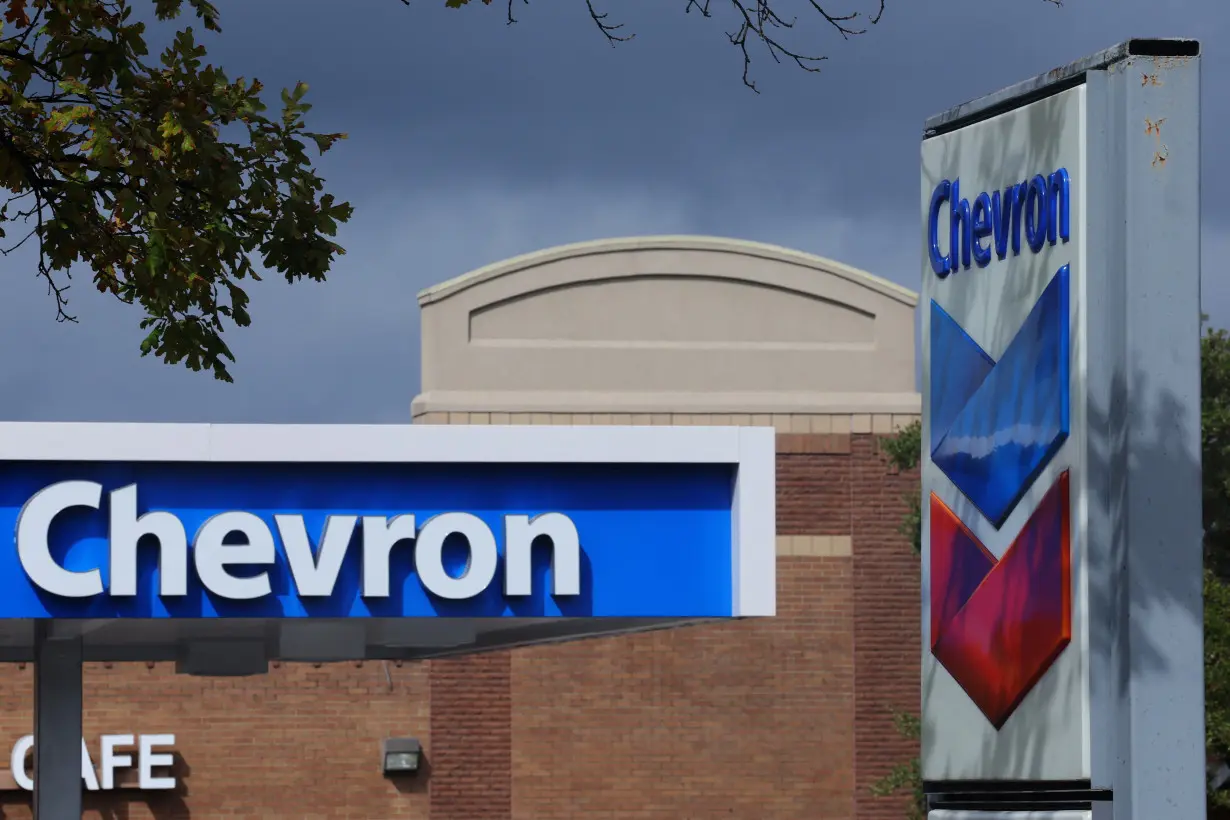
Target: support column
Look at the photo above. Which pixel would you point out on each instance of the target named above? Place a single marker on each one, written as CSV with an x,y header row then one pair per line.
x,y
57,725
1159,745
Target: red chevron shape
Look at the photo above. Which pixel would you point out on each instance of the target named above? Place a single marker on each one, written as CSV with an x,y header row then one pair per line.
x,y
997,626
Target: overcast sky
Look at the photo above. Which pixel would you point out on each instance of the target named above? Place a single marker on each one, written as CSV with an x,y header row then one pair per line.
x,y
471,141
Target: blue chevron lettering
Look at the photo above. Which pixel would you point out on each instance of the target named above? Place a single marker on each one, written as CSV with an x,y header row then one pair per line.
x,y
996,425
1041,205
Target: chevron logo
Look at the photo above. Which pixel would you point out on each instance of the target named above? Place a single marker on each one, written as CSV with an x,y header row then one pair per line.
x,y
998,625
996,425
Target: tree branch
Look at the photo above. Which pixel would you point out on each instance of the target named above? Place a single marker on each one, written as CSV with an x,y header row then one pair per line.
x,y
608,29
758,21
511,19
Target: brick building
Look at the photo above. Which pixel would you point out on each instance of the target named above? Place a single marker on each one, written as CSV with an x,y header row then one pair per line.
x,y
784,718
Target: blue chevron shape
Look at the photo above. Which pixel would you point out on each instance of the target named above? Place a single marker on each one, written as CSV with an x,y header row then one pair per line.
x,y
996,425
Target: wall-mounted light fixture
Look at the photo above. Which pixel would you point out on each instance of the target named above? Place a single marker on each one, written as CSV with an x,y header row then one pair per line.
x,y
400,755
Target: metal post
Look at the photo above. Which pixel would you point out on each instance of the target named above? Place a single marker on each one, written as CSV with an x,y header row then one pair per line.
x,y
57,725
1155,111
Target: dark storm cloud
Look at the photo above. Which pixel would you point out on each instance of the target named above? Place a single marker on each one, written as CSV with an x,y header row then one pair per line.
x,y
426,90
471,140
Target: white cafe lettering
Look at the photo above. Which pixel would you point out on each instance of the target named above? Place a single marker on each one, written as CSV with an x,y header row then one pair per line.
x,y
231,539
151,755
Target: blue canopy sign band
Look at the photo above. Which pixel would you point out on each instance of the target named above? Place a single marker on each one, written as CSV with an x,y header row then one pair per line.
x,y
385,522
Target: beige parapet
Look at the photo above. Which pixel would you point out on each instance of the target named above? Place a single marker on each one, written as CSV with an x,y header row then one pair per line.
x,y
670,330
788,425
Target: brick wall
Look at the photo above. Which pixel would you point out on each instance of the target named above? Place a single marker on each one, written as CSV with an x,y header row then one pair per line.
x,y
471,760
743,720
300,742
887,626
765,720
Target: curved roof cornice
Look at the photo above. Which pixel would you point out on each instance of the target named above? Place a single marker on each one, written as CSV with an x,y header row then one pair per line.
x,y
709,244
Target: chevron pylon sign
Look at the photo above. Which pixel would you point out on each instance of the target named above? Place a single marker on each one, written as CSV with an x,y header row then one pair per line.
x,y
1003,438
997,624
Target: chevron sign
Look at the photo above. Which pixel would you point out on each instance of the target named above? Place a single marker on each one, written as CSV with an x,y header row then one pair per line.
x,y
997,625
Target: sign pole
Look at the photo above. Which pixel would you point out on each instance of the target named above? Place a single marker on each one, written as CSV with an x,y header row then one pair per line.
x,y
1063,674
57,724
1149,119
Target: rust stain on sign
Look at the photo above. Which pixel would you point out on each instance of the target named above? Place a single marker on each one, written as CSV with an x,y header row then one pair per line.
x,y
1171,62
1154,127
1150,79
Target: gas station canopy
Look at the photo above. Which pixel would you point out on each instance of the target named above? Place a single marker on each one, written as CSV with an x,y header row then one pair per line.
x,y
223,547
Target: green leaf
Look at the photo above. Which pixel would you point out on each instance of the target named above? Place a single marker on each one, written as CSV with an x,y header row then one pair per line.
x,y
904,452
906,776
163,178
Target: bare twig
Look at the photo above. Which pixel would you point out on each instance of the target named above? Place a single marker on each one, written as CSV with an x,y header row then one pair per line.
x,y
58,291
758,20
608,29
12,248
761,21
